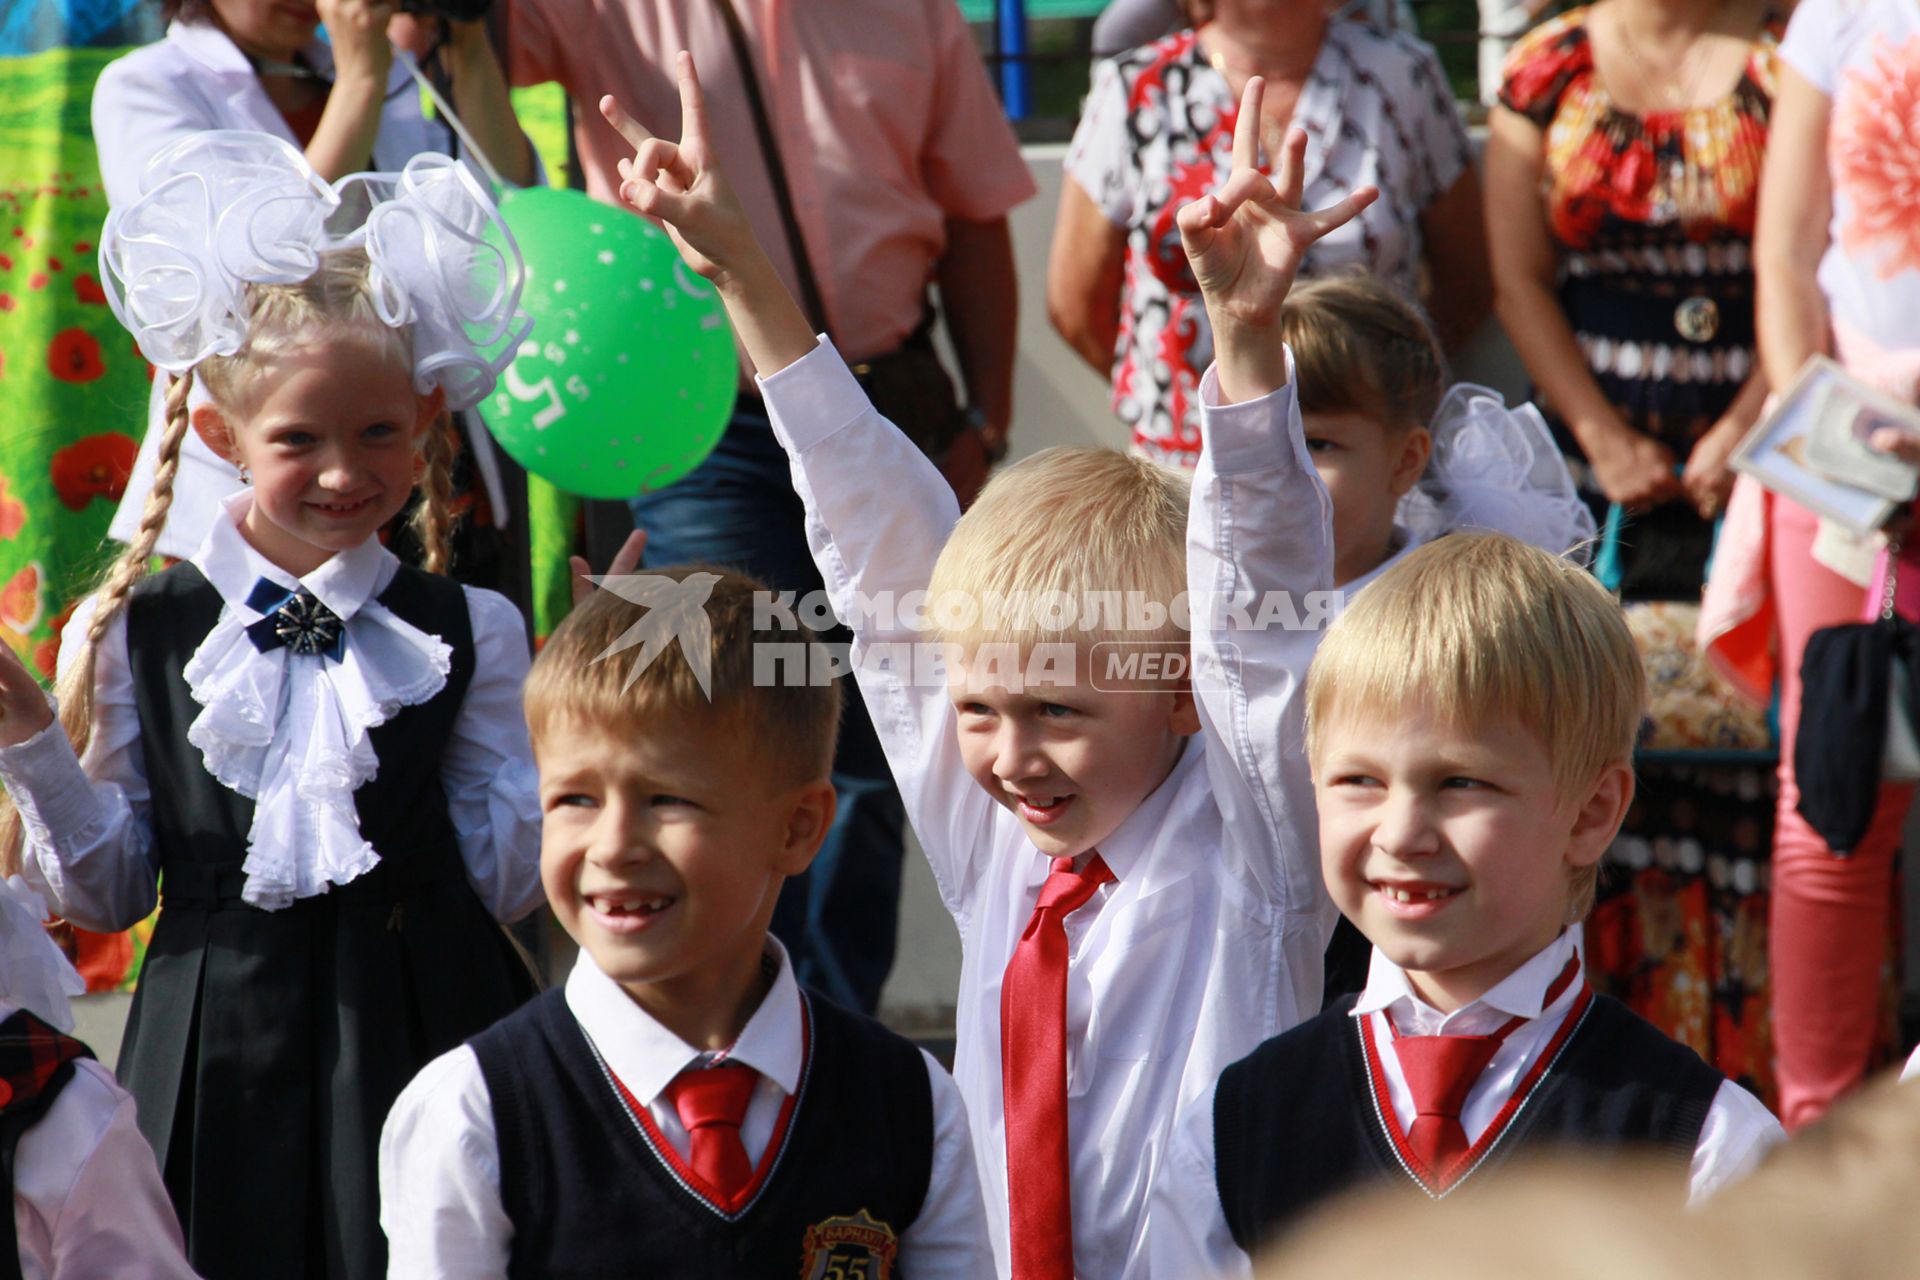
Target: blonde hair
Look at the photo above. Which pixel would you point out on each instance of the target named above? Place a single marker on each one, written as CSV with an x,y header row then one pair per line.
x,y
1360,346
336,298
1482,627
1095,528
761,664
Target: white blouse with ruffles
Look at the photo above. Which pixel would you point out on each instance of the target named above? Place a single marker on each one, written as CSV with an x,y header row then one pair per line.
x,y
290,732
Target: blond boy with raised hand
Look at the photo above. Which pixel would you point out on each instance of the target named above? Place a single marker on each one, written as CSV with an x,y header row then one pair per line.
x,y
1471,726
1129,857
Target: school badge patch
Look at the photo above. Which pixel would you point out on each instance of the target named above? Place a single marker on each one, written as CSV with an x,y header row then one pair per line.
x,y
856,1248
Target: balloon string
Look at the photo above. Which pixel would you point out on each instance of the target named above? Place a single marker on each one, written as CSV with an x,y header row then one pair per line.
x,y
445,110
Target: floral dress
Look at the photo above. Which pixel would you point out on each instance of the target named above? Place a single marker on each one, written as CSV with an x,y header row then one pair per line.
x,y
1653,216
1157,133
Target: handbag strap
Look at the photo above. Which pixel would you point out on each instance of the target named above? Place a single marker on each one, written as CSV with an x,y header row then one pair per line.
x,y
810,300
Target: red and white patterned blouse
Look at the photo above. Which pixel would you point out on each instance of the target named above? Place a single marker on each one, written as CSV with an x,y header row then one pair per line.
x,y
1157,132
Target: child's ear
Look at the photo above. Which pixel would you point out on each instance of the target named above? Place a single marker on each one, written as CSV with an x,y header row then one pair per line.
x,y
214,431
807,821
427,409
1598,820
1415,449
1184,718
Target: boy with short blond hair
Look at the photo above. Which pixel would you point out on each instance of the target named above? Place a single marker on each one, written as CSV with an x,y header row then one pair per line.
x,y
1471,719
1113,520
1123,849
680,1107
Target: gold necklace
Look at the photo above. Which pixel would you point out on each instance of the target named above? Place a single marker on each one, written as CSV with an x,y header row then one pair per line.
x,y
1679,91
1273,133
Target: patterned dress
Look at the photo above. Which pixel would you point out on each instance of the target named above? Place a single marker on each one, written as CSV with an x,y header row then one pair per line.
x,y
1157,133
1653,216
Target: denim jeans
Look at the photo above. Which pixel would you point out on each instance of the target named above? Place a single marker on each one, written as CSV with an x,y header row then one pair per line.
x,y
839,921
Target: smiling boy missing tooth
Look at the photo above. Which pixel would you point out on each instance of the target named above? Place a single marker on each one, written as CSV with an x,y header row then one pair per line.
x,y
1471,725
680,1107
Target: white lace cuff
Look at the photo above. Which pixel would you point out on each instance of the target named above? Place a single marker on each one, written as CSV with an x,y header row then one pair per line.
x,y
57,802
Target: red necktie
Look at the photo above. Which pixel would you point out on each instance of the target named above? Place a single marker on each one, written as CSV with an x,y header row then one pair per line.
x,y
1033,1073
1440,1071
711,1103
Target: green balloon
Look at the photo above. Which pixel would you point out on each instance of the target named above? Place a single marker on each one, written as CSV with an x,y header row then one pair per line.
x,y
629,375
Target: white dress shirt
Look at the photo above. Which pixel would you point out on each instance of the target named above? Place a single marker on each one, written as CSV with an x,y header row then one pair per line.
x,y
87,1197
440,1156
1189,1229
89,847
194,80
1210,938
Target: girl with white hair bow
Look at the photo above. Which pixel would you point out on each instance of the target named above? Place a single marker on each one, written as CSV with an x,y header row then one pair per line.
x,y
313,753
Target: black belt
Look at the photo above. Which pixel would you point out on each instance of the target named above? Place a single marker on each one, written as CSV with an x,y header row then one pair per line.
x,y
1688,317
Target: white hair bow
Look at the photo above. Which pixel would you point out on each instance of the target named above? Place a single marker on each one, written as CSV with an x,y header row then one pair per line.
x,y
1496,468
225,209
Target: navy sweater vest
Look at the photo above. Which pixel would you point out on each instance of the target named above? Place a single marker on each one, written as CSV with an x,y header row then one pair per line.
x,y
588,1197
1295,1121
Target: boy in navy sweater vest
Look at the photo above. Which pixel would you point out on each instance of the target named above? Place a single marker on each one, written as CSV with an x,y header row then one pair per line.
x,y
681,1107
1471,720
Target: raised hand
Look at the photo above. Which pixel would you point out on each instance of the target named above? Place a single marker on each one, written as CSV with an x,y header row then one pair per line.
x,y
23,707
679,188
1245,243
357,30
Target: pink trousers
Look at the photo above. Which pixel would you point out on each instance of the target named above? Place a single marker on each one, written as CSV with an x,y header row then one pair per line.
x,y
1829,928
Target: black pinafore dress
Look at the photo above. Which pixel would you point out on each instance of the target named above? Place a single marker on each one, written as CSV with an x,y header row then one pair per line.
x,y
265,1047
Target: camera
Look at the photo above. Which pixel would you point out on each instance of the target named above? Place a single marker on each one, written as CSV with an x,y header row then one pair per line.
x,y
452,10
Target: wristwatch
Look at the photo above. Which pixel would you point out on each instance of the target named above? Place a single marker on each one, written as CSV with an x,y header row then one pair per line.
x,y
995,443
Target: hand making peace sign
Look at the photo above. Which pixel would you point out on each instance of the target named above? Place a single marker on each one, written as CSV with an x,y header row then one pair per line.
x,y
1245,243
678,187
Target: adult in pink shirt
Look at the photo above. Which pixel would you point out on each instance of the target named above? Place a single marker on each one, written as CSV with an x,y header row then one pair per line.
x,y
901,169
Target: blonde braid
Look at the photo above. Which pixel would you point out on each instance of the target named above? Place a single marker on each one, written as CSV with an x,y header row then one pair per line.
x,y
75,688
433,519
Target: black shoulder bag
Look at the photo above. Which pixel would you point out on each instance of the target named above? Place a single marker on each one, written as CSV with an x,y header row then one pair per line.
x,y
1858,709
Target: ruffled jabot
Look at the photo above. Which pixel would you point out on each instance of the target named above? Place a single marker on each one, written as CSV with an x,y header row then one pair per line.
x,y
290,731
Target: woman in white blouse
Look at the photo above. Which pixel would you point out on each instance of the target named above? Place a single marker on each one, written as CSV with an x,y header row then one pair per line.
x,y
346,101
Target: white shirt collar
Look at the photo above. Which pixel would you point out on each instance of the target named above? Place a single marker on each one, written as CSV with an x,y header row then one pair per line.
x,y
345,582
1521,994
645,1056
